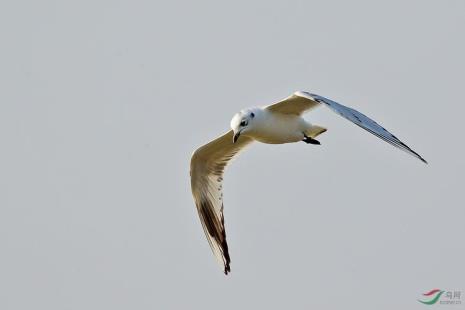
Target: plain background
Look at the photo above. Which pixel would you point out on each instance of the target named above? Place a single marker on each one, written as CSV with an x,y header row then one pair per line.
x,y
103,102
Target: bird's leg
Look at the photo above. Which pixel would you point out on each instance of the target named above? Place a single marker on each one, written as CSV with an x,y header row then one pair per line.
x,y
309,140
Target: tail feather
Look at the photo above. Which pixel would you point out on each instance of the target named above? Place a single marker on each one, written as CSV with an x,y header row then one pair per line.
x,y
315,131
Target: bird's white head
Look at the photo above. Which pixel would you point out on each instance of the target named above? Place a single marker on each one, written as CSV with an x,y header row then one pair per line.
x,y
242,122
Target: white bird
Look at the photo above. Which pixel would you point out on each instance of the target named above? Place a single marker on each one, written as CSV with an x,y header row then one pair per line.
x,y
278,123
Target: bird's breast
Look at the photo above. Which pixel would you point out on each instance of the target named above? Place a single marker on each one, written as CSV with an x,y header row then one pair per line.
x,y
279,129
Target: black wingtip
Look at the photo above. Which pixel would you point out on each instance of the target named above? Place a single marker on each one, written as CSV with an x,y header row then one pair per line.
x,y
227,267
414,153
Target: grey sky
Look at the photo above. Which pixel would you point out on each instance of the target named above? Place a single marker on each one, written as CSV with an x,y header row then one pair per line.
x,y
103,102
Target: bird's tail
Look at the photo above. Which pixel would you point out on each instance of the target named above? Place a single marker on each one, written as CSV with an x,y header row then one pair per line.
x,y
315,131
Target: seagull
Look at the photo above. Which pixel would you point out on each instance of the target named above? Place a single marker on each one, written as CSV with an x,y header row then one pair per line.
x,y
278,123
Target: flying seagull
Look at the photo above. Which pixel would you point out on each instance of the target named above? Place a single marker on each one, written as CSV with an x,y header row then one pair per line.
x,y
278,123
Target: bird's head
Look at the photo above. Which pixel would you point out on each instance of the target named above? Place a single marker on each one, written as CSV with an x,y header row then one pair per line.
x,y
241,123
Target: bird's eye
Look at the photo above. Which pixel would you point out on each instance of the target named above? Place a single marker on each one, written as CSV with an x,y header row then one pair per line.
x,y
243,123
252,115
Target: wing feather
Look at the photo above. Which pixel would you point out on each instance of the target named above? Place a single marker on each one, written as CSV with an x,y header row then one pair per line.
x,y
295,104
207,167
298,106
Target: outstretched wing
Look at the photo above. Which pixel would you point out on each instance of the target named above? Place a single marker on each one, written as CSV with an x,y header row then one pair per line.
x,y
296,104
301,102
207,167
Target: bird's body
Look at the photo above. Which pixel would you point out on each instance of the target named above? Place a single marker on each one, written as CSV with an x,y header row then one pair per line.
x,y
278,123
271,128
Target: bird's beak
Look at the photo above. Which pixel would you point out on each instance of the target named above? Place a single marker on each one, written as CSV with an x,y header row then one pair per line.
x,y
236,136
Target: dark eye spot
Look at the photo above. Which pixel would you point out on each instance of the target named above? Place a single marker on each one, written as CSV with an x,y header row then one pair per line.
x,y
243,123
252,115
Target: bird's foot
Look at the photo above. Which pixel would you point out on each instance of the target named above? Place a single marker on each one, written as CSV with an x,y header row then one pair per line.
x,y
309,140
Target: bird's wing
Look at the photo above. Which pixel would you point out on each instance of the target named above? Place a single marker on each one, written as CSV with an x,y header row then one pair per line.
x,y
352,115
207,166
294,104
